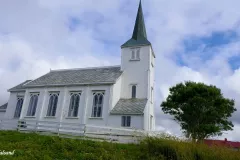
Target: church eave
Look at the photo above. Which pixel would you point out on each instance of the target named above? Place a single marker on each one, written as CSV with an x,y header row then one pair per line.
x,y
135,43
16,90
126,113
73,84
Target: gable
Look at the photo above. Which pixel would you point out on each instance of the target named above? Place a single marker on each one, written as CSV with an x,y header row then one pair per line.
x,y
19,87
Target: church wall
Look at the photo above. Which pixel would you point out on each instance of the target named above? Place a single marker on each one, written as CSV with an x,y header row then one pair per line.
x,y
149,123
105,112
66,103
42,112
135,72
116,92
152,84
12,103
85,107
147,116
40,103
136,121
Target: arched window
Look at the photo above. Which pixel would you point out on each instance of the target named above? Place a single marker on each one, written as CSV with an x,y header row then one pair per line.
x,y
74,105
18,107
32,105
134,89
97,104
52,105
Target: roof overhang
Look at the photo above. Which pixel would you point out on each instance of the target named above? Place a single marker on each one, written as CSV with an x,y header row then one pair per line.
x,y
16,90
65,85
119,114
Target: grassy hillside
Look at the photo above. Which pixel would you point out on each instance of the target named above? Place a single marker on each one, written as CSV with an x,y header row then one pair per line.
x,y
33,146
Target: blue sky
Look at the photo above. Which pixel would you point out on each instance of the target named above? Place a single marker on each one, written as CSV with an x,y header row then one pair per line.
x,y
206,45
194,40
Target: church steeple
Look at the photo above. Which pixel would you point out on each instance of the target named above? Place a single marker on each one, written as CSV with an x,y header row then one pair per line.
x,y
139,36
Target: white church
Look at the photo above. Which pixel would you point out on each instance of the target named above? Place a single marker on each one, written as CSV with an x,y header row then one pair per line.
x,y
113,96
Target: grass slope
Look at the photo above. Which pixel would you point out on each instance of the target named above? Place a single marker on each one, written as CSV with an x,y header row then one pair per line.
x,y
33,146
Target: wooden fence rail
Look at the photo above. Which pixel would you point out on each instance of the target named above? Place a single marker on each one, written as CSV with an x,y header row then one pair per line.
x,y
74,130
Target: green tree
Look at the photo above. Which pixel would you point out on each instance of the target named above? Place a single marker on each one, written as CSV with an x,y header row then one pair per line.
x,y
201,110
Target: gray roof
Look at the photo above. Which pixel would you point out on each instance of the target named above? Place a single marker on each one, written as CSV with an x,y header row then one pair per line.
x,y
129,106
19,87
3,107
99,75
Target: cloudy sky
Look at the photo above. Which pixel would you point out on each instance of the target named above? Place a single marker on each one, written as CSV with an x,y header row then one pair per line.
x,y
196,40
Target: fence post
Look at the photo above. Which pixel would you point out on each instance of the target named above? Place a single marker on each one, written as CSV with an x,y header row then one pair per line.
x,y
111,138
18,128
19,125
83,129
58,127
36,127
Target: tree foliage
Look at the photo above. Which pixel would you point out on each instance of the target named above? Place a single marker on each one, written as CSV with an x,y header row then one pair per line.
x,y
201,110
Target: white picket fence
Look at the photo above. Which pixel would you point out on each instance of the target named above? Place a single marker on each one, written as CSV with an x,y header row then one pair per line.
x,y
74,130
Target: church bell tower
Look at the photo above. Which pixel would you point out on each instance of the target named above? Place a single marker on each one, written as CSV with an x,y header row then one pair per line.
x,y
137,64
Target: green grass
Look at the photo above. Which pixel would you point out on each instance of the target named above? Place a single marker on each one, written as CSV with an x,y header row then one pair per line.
x,y
33,146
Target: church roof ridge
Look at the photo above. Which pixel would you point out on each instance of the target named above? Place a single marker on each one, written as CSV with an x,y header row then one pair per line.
x,y
87,68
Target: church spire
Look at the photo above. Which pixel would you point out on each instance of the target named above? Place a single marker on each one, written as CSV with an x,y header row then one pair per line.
x,y
139,28
139,36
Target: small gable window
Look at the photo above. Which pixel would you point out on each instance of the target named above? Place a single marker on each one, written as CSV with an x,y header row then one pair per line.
x,y
135,54
134,90
126,121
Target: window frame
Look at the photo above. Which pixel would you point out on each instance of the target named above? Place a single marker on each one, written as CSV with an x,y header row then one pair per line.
x,y
132,85
17,113
32,106
135,54
71,109
52,104
97,110
126,121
